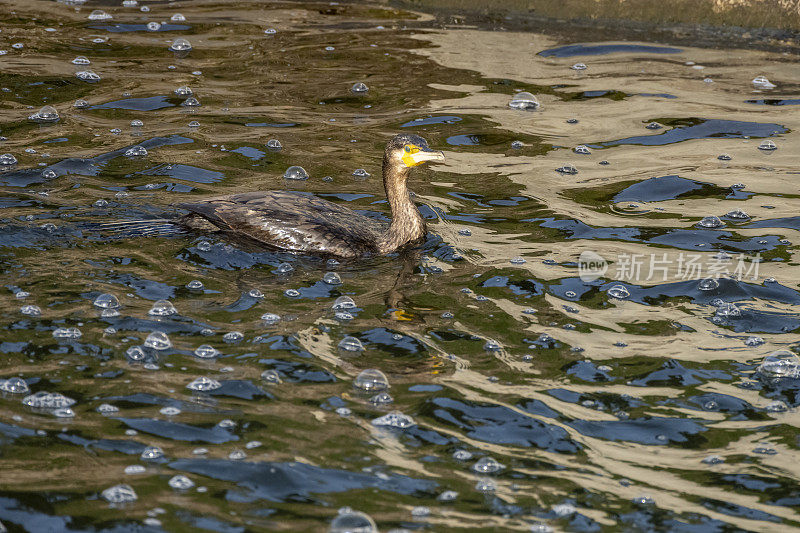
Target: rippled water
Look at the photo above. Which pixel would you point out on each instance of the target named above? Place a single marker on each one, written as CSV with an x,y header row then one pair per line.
x,y
222,387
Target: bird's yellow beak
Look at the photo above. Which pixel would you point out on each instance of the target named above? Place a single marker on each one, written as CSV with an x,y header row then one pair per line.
x,y
413,156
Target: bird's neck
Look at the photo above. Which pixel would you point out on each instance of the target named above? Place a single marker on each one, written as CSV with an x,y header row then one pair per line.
x,y
407,224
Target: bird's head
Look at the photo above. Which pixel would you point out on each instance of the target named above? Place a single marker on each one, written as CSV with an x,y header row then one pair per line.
x,y
407,150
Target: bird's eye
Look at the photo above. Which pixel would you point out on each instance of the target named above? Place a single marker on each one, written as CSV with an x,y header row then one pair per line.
x,y
408,148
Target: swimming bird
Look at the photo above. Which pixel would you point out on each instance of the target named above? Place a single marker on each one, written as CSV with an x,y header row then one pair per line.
x,y
305,224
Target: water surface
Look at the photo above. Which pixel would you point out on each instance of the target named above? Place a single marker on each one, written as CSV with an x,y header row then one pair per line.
x,y
640,413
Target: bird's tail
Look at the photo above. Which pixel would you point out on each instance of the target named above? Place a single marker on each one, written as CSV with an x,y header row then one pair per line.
x,y
125,229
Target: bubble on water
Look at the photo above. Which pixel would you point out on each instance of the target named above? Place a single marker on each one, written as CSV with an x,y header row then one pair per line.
x,y
8,160
14,386
136,123
183,91
152,453
713,460
136,151
195,285
395,419
728,310
776,406
274,145
106,301
271,376
708,80
487,465
350,521
67,333
158,340
233,336
206,351
767,146
191,102
100,203
351,344
46,114
177,17
344,411
619,291
711,221
194,124
738,214
447,496
420,511
107,409
80,103
130,3
579,66
371,380
361,173
654,126
517,145
485,485
462,455
180,45
47,400
765,450
492,346
780,364
87,75
253,444
359,88
329,48
295,173
567,169
255,293
382,398
121,493
227,423
204,384
724,157
332,278
270,31
162,308
135,353
291,293
237,455
761,82
708,284
270,318
570,294
30,310
343,302
753,341
524,100
564,509
153,26
17,46
582,149
99,14
180,482
132,470
284,268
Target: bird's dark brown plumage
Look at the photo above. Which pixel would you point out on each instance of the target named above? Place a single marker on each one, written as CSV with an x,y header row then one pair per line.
x,y
303,223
